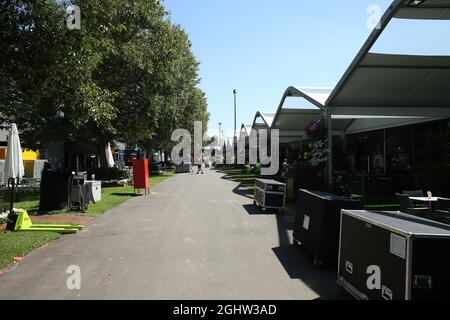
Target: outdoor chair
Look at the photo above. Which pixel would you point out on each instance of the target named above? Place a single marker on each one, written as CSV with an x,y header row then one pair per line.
x,y
415,193
442,210
406,206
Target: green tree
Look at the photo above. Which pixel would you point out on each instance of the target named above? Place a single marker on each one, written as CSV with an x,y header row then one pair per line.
x,y
127,74
47,71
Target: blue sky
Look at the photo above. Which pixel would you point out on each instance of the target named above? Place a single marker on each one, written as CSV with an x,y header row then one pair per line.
x,y
261,47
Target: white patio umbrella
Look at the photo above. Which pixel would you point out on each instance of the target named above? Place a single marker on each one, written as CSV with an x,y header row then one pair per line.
x,y
109,156
14,162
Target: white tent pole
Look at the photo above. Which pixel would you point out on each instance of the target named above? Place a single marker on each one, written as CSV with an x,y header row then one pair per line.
x,y
384,151
329,148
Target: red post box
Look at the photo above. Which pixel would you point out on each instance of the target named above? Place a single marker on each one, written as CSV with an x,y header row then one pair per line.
x,y
141,179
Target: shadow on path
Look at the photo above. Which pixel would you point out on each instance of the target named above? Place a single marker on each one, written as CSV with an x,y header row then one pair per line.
x,y
254,210
284,225
299,265
243,192
125,194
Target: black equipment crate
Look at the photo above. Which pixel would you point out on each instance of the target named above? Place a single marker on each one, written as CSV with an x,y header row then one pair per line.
x,y
317,221
269,194
393,256
53,190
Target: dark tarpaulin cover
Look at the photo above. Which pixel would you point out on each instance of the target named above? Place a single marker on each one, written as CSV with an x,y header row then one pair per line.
x,y
54,190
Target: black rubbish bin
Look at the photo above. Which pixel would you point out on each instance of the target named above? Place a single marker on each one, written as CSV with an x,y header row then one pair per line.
x,y
317,224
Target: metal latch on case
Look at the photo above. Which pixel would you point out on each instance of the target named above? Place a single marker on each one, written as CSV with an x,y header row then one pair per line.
x,y
387,293
349,267
423,282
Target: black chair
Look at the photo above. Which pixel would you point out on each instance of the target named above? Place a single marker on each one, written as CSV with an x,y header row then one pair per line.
x,y
415,193
442,210
406,206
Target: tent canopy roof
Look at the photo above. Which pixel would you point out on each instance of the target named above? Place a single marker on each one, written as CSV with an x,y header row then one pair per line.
x,y
315,95
246,128
295,119
298,118
392,84
429,9
263,120
378,90
292,122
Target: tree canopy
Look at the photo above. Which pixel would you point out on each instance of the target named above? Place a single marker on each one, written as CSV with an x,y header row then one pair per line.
x,y
127,74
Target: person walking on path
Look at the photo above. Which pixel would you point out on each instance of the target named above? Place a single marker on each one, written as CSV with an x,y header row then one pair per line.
x,y
199,168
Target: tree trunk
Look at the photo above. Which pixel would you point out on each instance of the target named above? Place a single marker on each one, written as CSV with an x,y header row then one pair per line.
x,y
149,151
101,152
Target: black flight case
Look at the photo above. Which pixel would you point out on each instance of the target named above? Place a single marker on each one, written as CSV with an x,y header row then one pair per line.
x,y
269,194
393,256
317,221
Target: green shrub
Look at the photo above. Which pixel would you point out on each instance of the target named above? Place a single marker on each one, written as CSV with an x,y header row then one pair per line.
x,y
108,174
115,183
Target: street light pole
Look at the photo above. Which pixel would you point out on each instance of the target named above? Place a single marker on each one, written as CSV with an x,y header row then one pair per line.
x,y
220,132
234,92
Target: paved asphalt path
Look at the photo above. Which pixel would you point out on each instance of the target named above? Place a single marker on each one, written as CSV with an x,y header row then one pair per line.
x,y
195,237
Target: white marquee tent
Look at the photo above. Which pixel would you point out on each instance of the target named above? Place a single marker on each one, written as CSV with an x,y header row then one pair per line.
x,y
380,90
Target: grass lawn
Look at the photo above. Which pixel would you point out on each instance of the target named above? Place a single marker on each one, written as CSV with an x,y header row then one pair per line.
x,y
238,176
111,197
248,184
18,244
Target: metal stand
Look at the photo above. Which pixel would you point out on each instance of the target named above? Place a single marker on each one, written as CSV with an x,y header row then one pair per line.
x,y
76,201
12,217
